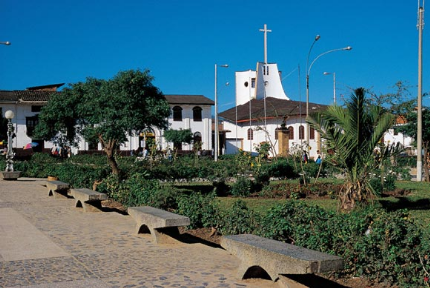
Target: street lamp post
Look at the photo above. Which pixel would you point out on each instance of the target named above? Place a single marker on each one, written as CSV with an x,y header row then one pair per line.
x,y
216,151
5,43
307,79
308,71
9,173
9,155
334,84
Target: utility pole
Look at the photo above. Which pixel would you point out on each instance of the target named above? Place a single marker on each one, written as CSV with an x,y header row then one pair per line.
x,y
420,27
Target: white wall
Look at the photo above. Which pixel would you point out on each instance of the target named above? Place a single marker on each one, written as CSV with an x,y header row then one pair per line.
x,y
21,111
261,136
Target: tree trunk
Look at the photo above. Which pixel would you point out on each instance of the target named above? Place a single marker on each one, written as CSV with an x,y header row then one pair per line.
x,y
109,148
111,160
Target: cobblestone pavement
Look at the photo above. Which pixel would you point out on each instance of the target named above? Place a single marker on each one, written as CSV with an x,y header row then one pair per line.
x,y
46,242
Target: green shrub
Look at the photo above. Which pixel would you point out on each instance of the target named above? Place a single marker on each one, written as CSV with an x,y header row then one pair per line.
x,y
238,220
390,182
281,169
80,176
297,223
201,209
384,247
242,187
376,185
139,191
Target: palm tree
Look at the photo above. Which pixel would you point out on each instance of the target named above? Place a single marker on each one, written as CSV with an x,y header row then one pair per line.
x,y
353,133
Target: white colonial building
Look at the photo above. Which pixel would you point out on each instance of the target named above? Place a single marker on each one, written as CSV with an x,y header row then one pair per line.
x,y
188,112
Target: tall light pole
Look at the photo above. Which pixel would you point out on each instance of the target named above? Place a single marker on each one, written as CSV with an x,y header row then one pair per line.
x,y
334,84
216,115
420,93
307,77
5,43
308,72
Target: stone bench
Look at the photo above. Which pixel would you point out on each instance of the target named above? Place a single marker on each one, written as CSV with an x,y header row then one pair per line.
x,y
57,189
162,225
88,199
266,257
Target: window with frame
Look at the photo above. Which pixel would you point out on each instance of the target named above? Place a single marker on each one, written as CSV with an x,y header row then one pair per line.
x,y
291,132
301,132
311,133
197,114
177,113
250,134
31,123
253,83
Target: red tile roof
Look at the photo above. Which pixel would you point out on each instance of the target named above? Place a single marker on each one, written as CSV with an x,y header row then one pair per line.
x,y
25,96
275,108
189,99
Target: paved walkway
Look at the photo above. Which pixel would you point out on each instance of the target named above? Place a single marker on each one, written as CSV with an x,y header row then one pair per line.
x,y
46,242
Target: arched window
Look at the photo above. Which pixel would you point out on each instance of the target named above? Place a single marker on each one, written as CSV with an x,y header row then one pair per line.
x,y
301,132
177,113
197,113
250,134
311,133
291,132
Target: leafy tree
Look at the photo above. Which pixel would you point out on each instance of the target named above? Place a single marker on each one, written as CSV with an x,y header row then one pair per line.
x,y
398,102
177,137
352,133
105,111
410,129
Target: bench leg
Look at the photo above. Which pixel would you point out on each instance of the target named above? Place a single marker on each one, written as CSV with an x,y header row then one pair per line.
x,y
94,206
56,194
165,235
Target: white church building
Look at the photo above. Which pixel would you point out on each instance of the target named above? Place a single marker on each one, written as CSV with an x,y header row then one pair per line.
x,y
263,108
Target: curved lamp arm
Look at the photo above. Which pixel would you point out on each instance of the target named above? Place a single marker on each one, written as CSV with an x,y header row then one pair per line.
x,y
322,54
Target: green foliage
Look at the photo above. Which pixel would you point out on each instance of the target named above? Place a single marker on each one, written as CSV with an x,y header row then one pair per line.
x,y
353,133
177,137
201,209
242,187
238,220
103,111
78,172
139,191
390,182
79,175
282,168
295,222
384,247
376,185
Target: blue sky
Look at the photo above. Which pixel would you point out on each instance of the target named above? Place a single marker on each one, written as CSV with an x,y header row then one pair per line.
x,y
180,42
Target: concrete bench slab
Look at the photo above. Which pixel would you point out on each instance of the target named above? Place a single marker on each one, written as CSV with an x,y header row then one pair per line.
x,y
57,189
276,257
162,225
88,199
